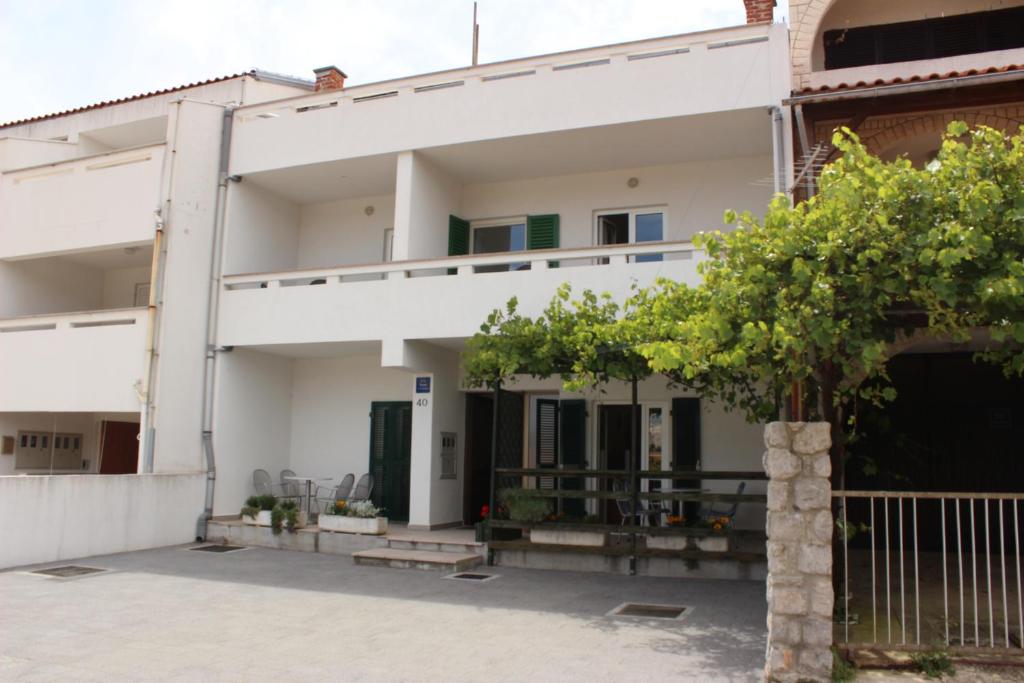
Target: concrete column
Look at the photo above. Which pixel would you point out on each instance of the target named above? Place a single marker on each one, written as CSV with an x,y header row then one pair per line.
x,y
800,596
422,451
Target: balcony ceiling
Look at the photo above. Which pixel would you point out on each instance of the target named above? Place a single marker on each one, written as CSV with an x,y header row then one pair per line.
x,y
734,134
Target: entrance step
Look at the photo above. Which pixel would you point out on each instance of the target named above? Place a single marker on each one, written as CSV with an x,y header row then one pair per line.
x,y
414,543
401,558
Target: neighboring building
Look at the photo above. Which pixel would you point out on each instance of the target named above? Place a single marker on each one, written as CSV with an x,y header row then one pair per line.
x,y
106,220
372,229
897,74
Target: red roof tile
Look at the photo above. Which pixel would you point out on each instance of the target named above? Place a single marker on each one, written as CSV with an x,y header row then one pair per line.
x,y
913,79
122,100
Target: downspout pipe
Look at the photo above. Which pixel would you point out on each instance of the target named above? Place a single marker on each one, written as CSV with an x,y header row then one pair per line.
x,y
777,146
213,303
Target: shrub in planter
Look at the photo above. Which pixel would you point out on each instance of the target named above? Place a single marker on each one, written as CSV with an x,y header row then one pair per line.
x,y
257,510
362,517
525,505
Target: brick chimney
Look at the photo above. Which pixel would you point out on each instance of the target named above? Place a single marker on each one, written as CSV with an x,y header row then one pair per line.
x,y
329,78
759,10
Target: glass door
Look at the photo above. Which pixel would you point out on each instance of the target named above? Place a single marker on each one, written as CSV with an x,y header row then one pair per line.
x,y
631,226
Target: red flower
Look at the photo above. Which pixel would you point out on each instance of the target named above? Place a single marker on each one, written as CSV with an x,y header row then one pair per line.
x,y
485,511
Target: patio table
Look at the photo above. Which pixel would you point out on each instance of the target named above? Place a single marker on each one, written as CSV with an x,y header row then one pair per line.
x,y
309,488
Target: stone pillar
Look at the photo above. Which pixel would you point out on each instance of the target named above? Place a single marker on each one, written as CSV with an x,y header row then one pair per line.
x,y
800,596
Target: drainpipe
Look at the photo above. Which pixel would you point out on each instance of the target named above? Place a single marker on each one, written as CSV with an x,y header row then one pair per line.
x,y
213,303
777,155
147,433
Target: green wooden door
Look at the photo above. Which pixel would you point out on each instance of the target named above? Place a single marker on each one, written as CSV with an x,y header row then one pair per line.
x,y
390,451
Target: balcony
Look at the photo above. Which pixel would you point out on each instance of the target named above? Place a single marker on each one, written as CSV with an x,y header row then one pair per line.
x,y
444,298
740,69
73,362
105,200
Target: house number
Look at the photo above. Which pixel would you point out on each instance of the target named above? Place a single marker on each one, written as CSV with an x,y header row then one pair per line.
x,y
422,402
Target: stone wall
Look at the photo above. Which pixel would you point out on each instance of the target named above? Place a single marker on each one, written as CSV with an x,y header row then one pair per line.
x,y
800,595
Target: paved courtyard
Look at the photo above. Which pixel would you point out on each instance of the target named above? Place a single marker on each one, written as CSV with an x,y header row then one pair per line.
x,y
174,614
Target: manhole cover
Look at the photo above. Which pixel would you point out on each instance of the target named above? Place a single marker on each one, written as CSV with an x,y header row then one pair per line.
x,y
472,576
68,571
635,609
218,548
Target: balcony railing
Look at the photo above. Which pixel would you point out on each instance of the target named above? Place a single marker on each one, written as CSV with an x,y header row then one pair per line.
x,y
519,261
431,298
76,362
96,201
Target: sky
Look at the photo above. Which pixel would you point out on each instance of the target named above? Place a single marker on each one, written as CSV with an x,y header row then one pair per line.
x,y
59,55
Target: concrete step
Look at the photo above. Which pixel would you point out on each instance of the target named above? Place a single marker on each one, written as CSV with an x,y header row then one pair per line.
x,y
409,543
416,559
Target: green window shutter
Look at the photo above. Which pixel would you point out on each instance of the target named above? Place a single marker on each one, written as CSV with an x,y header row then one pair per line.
x,y
542,232
458,238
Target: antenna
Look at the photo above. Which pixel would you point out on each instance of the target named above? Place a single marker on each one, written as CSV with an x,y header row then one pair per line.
x,y
476,37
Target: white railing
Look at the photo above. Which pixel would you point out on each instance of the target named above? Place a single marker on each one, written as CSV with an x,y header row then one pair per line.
x,y
83,203
66,321
939,567
535,260
510,71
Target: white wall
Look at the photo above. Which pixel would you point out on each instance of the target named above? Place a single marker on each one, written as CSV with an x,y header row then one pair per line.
x,y
45,286
261,230
252,425
61,517
77,363
330,416
82,204
694,196
189,226
736,75
119,285
425,196
340,233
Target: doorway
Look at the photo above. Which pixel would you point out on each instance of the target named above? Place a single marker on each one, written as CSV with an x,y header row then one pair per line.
x,y
391,456
119,447
477,471
614,431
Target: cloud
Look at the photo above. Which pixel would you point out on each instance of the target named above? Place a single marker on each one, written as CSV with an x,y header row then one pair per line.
x,y
59,55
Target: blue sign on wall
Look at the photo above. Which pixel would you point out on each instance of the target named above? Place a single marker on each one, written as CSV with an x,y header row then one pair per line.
x,y
422,385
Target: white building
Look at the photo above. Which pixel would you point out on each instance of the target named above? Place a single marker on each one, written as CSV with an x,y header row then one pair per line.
x,y
256,272
370,230
107,214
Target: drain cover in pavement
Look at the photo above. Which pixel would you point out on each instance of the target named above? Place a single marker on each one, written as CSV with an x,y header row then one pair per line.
x,y
635,609
68,571
218,548
471,576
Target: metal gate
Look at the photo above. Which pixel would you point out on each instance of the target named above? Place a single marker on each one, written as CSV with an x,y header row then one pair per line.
x,y
929,568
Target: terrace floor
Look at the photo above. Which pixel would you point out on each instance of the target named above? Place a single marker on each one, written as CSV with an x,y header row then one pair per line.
x,y
175,614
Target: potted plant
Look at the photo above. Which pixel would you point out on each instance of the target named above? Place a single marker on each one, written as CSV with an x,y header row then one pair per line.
x,y
563,536
362,517
481,526
257,509
716,540
286,515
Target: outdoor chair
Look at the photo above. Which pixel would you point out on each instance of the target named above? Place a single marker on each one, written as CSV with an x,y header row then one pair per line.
x,y
262,483
290,488
728,512
363,489
624,505
326,495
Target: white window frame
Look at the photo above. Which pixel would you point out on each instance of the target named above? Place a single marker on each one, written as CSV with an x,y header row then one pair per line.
x,y
633,212
496,223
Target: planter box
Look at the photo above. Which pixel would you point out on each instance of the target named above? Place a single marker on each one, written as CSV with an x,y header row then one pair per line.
x,y
564,537
709,544
353,525
262,518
